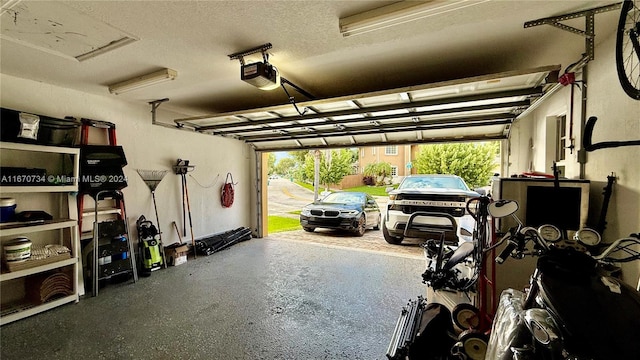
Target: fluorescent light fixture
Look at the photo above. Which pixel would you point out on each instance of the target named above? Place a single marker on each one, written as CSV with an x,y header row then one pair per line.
x,y
105,49
136,83
399,13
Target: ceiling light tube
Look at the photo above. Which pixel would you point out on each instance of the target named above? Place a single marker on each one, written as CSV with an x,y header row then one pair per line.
x,y
153,78
105,49
399,13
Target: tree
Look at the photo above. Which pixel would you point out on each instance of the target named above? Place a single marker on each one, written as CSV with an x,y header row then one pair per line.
x,y
299,158
271,162
355,155
379,171
474,162
285,166
333,171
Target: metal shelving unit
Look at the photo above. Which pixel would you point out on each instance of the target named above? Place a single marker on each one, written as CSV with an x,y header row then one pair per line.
x,y
62,230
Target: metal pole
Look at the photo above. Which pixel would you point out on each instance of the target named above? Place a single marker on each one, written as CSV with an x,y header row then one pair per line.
x,y
193,239
582,153
259,204
155,207
316,175
184,209
328,162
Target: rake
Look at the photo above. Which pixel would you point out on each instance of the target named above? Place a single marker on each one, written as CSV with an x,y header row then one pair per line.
x,y
153,178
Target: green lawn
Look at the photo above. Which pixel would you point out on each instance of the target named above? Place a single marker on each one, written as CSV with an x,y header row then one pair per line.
x,y
305,185
371,190
280,224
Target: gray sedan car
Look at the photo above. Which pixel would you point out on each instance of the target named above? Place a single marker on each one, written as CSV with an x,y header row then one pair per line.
x,y
352,211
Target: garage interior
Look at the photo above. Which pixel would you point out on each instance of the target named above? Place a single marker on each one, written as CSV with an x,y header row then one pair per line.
x,y
481,70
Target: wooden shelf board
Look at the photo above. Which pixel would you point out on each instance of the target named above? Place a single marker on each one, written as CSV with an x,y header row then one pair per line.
x,y
39,148
37,269
32,309
46,225
38,189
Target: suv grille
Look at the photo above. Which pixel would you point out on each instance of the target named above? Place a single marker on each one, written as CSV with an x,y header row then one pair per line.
x,y
433,197
453,205
453,211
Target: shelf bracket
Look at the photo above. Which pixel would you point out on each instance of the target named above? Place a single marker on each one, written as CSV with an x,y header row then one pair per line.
x,y
258,49
589,32
154,106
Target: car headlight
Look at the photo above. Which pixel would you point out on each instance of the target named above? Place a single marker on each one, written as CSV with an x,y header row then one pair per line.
x,y
349,212
305,212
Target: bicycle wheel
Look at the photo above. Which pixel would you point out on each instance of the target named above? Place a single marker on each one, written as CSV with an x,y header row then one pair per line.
x,y
628,48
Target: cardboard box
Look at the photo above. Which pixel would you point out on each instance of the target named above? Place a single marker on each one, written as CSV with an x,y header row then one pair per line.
x,y
176,254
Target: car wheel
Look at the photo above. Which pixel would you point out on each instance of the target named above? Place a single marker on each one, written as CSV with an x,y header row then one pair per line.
x,y
377,227
309,229
394,240
362,225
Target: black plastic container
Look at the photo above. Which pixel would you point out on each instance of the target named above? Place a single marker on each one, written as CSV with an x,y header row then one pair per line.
x,y
101,168
15,126
102,156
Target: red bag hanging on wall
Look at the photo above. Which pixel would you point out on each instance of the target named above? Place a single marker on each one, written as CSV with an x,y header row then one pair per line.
x,y
228,191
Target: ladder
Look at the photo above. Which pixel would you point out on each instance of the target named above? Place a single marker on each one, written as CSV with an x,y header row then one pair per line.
x,y
110,252
111,248
84,140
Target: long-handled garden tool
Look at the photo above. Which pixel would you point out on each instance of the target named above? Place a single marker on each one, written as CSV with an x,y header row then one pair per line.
x,y
153,178
181,168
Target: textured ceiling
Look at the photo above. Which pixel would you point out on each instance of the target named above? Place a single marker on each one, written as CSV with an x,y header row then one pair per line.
x,y
195,37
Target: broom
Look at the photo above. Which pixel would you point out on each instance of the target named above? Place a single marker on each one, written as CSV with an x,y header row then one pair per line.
x,y
153,178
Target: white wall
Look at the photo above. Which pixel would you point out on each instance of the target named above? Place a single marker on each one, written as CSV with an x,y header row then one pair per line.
x,y
155,148
619,119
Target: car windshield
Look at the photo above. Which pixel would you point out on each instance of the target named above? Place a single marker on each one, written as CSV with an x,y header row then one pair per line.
x,y
422,182
344,198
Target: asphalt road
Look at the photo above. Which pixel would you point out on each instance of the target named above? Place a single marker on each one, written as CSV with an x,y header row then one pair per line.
x,y
286,196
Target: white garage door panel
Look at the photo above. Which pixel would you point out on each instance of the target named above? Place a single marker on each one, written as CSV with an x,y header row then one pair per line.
x,y
478,108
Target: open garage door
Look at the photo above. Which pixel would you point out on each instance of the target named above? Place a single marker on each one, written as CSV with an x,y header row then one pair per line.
x,y
476,108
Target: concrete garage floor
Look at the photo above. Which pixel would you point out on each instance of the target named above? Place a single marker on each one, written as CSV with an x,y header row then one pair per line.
x,y
261,299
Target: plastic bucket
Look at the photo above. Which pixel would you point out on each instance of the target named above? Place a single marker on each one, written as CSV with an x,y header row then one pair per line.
x,y
7,209
17,250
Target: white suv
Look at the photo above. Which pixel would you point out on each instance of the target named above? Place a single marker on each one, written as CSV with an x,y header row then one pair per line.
x,y
442,194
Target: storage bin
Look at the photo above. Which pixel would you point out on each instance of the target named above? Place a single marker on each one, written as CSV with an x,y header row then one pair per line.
x,y
101,168
102,156
7,210
18,126
17,250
